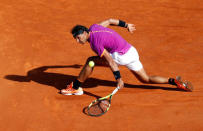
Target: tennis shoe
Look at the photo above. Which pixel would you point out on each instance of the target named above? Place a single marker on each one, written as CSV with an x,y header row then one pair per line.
x,y
187,86
71,91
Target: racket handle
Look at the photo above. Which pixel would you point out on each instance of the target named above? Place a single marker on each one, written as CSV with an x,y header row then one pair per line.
x,y
115,90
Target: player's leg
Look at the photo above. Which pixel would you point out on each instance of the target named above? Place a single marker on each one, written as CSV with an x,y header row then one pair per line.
x,y
87,70
138,70
145,78
131,60
74,87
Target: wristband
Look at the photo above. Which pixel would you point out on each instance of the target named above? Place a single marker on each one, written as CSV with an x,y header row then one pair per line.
x,y
117,74
122,24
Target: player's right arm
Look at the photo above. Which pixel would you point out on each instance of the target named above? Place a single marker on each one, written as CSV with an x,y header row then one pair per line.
x,y
130,27
114,67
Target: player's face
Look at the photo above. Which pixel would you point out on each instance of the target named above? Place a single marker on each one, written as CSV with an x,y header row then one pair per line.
x,y
82,38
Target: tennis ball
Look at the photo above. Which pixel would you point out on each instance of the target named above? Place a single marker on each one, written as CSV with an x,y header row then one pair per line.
x,y
91,63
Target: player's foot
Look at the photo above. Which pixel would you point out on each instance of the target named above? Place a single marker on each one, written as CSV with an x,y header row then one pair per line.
x,y
187,86
71,91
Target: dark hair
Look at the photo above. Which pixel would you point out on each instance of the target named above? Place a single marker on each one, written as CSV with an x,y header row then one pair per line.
x,y
79,29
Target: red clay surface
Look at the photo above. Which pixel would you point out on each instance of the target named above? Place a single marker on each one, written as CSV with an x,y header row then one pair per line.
x,y
38,57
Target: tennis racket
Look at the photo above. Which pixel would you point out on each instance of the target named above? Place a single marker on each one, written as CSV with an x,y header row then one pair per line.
x,y
100,106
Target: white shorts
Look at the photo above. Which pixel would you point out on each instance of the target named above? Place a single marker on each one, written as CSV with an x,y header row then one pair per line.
x,y
130,59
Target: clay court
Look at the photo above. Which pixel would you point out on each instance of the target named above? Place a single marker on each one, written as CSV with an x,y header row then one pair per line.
x,y
39,57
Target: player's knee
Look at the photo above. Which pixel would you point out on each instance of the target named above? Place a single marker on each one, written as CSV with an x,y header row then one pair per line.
x,y
145,80
90,59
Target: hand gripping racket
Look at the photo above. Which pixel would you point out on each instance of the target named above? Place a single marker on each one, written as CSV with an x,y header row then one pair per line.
x,y
100,106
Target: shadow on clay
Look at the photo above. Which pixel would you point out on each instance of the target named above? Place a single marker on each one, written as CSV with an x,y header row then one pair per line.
x,y
60,81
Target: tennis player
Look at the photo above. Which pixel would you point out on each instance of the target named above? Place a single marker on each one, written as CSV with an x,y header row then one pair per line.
x,y
112,51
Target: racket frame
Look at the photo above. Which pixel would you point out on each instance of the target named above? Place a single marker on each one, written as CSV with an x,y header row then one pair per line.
x,y
103,98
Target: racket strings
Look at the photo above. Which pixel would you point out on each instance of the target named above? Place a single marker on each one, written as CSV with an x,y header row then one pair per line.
x,y
99,107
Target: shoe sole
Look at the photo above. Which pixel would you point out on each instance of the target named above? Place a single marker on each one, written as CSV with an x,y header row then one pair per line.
x,y
188,85
79,93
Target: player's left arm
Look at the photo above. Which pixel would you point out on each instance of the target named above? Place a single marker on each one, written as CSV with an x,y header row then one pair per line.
x,y
130,27
114,68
